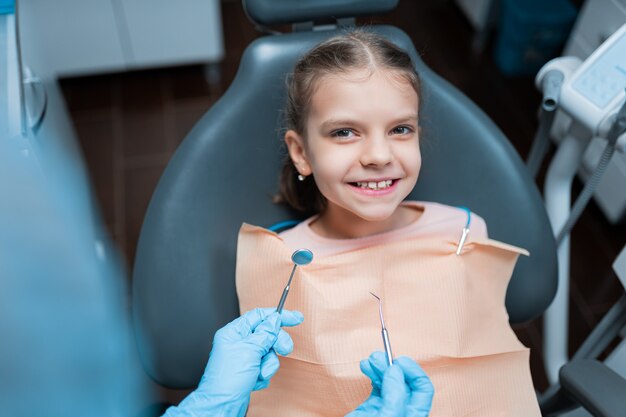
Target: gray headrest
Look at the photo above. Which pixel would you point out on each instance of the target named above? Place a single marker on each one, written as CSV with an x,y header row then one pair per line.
x,y
270,12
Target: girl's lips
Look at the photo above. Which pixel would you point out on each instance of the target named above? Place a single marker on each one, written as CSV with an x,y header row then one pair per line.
x,y
374,193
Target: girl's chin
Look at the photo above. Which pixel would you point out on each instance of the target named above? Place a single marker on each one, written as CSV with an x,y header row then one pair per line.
x,y
377,216
372,213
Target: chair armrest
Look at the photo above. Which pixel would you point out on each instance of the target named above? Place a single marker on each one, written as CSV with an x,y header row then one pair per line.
x,y
596,387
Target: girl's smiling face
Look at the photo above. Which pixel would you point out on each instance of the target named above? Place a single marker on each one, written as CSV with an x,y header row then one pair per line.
x,y
362,148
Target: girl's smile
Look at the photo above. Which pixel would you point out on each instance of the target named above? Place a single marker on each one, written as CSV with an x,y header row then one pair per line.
x,y
375,187
362,148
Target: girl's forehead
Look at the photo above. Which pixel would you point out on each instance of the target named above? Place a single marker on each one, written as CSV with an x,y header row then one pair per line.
x,y
363,75
363,87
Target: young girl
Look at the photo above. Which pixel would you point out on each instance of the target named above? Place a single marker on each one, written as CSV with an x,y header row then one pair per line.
x,y
354,156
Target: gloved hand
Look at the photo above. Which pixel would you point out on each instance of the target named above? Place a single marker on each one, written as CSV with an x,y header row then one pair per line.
x,y
243,359
400,390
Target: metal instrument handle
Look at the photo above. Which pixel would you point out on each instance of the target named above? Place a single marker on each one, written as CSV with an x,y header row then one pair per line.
x,y
283,298
387,347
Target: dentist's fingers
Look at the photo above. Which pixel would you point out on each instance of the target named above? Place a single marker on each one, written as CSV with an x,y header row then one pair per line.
x,y
394,393
265,334
284,344
269,367
247,322
422,390
250,320
269,334
374,373
291,318
379,362
261,384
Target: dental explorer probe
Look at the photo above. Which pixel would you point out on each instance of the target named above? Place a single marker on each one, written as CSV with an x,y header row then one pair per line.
x,y
299,257
384,331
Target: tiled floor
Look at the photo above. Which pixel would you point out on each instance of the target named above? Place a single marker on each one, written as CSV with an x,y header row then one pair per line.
x,y
129,125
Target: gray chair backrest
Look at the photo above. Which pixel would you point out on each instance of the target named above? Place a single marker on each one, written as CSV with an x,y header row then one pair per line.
x,y
226,170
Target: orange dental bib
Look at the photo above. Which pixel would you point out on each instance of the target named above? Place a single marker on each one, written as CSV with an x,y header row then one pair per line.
x,y
445,311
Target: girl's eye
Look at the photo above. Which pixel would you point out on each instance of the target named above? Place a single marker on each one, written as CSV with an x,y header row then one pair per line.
x,y
401,130
342,133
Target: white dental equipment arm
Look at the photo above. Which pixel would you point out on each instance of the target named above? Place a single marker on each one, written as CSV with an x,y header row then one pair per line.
x,y
592,93
550,84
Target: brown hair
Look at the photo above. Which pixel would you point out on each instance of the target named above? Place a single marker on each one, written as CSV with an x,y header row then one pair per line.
x,y
356,49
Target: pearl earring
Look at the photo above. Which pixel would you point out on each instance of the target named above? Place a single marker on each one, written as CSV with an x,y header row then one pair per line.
x,y
301,177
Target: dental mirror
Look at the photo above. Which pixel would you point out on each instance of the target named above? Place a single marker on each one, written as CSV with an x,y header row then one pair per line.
x,y
302,257
299,257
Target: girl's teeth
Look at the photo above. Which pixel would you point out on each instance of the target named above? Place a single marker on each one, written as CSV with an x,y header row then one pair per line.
x,y
375,185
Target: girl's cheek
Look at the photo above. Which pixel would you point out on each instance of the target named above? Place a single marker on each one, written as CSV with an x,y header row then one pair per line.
x,y
413,147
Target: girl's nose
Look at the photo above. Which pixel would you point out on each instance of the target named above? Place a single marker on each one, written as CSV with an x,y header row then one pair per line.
x,y
376,151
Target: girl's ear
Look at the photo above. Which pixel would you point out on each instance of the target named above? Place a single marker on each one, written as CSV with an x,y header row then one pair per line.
x,y
297,152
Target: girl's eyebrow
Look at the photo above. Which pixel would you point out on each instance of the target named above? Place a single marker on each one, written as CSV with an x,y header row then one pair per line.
x,y
330,123
327,124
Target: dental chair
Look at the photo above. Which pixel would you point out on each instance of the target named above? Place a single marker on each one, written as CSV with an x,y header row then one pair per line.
x,y
226,170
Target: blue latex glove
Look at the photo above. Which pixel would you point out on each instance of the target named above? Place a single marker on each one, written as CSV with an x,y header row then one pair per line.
x,y
243,359
400,390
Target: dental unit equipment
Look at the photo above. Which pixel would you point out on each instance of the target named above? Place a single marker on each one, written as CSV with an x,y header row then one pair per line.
x,y
591,95
299,257
384,332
